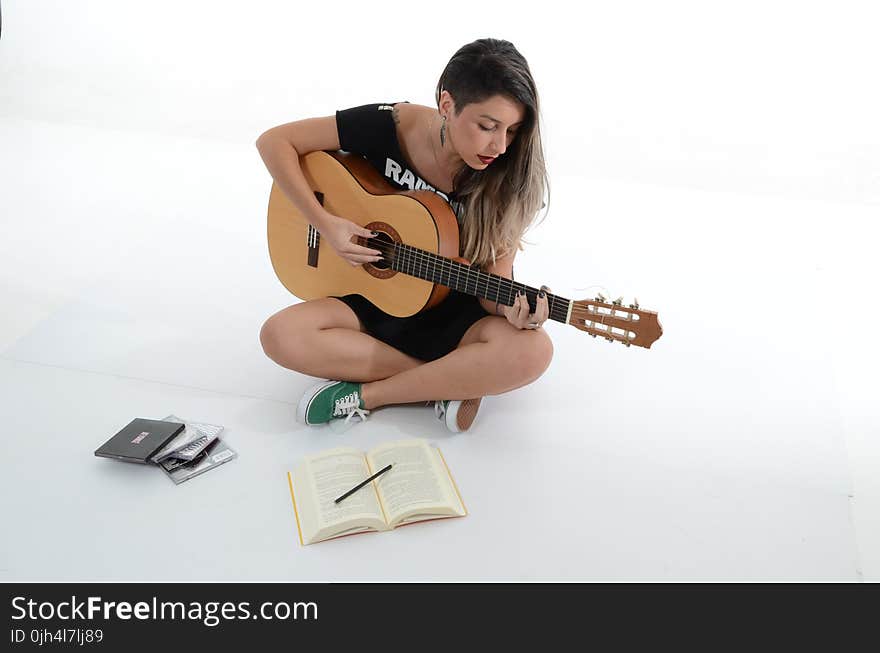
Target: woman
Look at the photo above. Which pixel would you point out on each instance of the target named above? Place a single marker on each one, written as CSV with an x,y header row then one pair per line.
x,y
480,150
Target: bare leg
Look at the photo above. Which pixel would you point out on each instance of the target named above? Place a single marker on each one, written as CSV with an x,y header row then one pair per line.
x,y
493,357
324,338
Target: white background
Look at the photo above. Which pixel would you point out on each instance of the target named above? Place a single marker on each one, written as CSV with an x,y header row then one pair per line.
x,y
760,96
720,161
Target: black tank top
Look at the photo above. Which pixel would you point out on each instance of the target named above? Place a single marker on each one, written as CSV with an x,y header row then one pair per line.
x,y
369,130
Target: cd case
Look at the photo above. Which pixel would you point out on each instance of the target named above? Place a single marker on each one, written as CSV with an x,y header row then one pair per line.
x,y
139,441
214,455
189,443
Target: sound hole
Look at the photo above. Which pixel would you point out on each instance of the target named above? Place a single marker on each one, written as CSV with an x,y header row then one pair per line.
x,y
386,245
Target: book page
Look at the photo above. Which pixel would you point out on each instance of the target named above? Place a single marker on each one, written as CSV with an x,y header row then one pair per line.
x,y
323,477
418,486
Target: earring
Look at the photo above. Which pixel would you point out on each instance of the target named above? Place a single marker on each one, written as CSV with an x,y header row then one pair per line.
x,y
443,133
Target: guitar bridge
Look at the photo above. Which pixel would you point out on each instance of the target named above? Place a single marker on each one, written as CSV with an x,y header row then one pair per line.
x,y
314,237
314,241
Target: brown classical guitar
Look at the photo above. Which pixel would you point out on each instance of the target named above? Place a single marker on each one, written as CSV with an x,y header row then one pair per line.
x,y
418,236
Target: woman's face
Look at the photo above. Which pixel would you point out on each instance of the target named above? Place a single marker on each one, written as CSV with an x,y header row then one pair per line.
x,y
484,129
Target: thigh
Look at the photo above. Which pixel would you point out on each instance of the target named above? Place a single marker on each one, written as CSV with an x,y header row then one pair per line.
x,y
315,314
497,329
488,328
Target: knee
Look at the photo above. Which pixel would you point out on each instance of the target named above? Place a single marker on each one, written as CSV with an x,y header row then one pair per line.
x,y
531,354
275,342
269,337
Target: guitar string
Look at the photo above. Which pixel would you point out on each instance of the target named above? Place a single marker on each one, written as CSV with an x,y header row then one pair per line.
x,y
560,314
412,258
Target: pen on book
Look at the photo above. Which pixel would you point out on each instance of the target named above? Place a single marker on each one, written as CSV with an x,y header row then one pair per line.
x,y
363,483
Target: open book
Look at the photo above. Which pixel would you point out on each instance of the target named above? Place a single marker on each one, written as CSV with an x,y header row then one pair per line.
x,y
418,487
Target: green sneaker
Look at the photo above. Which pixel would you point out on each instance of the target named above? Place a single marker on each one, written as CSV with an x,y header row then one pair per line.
x,y
329,400
458,415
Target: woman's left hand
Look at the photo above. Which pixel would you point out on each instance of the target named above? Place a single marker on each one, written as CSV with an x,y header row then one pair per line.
x,y
520,317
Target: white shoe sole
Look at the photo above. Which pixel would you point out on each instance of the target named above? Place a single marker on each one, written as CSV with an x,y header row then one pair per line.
x,y
305,401
461,417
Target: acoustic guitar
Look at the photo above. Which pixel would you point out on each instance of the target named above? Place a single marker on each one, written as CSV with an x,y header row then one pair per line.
x,y
418,236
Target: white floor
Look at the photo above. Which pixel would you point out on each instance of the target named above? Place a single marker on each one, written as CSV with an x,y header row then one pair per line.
x,y
134,278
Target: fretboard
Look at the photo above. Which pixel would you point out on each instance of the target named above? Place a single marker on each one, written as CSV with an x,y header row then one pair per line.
x,y
470,280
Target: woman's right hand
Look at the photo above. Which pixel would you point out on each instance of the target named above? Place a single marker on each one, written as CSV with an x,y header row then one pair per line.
x,y
341,234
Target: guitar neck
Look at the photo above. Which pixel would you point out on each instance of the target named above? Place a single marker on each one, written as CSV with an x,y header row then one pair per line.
x,y
470,280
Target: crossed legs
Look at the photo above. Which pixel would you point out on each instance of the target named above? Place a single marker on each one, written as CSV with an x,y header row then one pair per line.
x,y
324,338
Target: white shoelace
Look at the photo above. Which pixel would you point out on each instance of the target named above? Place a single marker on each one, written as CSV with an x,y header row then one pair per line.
x,y
350,404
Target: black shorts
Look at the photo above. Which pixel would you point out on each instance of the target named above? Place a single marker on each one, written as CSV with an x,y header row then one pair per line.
x,y
428,335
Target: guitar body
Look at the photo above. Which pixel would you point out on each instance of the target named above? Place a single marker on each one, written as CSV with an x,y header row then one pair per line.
x,y
347,185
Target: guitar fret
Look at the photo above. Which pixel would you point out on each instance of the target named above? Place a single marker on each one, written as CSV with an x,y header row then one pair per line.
x,y
471,280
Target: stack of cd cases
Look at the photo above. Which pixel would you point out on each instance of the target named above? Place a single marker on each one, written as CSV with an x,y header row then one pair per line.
x,y
197,449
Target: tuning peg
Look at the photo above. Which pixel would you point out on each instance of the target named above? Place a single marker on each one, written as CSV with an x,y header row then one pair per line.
x,y
628,343
618,301
592,335
600,298
609,339
636,304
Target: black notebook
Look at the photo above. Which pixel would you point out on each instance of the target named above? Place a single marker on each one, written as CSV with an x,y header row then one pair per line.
x,y
138,441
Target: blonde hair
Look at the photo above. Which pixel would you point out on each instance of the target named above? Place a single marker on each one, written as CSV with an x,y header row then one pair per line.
x,y
498,203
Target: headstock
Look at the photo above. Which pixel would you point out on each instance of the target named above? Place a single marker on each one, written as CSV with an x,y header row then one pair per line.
x,y
629,324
